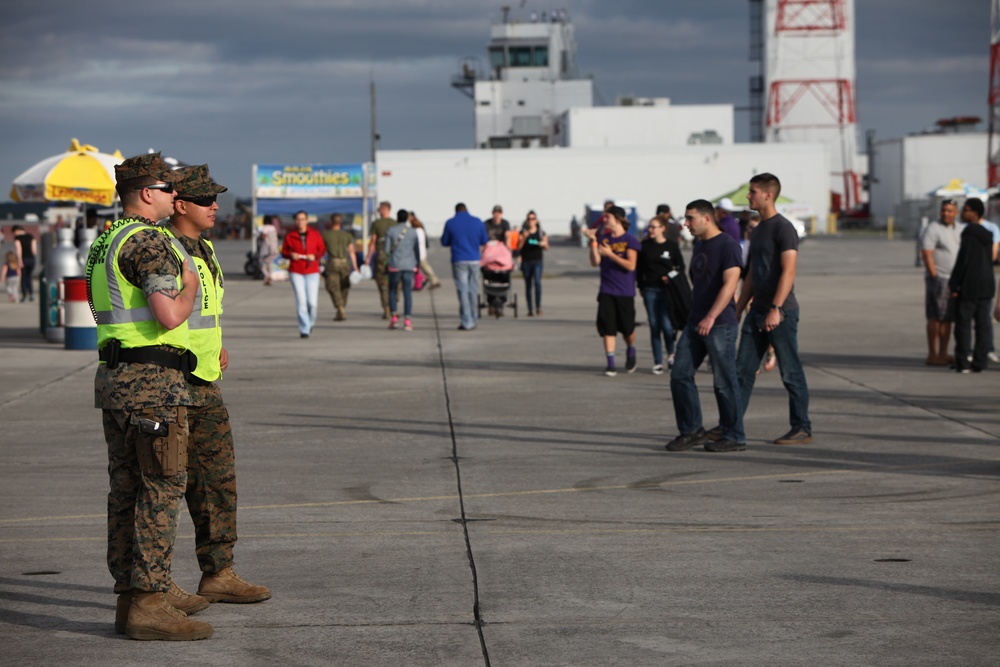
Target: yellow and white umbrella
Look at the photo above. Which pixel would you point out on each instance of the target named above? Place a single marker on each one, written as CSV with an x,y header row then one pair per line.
x,y
82,174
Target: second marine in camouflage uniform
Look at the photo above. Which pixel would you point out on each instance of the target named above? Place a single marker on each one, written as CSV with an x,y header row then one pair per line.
x,y
211,480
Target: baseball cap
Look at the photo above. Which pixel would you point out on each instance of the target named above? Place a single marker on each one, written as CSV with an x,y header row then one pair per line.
x,y
726,204
662,208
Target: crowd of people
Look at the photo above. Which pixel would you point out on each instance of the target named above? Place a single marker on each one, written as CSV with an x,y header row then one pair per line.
x,y
396,259
958,257
734,269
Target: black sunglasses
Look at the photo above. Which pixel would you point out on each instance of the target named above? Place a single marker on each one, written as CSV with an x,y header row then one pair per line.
x,y
166,187
199,201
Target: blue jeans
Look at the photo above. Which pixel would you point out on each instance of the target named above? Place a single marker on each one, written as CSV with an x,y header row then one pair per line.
x,y
660,327
533,275
306,288
720,347
405,277
466,275
785,340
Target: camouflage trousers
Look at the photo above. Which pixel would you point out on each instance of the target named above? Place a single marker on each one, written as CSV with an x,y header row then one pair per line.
x,y
211,485
381,275
145,499
338,282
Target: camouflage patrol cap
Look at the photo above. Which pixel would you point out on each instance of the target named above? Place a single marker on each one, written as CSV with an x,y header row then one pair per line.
x,y
147,164
195,181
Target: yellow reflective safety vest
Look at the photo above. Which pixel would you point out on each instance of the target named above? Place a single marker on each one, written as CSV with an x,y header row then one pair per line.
x,y
205,322
122,312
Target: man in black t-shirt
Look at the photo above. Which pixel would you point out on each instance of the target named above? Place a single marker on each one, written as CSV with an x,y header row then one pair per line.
x,y
498,228
773,318
710,332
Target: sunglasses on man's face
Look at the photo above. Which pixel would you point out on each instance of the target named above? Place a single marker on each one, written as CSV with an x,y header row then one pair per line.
x,y
200,201
166,187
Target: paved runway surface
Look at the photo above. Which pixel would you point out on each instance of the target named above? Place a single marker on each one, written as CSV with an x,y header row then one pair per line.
x,y
490,498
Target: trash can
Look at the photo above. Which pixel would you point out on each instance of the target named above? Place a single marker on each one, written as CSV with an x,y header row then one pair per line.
x,y
81,329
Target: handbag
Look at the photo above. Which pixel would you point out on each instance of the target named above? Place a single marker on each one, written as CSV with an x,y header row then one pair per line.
x,y
419,279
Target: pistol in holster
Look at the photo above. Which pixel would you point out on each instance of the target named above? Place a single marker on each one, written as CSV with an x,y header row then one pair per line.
x,y
161,445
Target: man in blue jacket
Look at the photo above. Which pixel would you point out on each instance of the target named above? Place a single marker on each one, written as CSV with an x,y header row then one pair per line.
x,y
465,234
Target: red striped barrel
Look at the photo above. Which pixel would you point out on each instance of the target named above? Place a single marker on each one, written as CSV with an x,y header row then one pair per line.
x,y
81,329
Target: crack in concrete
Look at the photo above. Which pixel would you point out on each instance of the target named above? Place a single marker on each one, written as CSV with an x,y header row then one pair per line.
x,y
464,519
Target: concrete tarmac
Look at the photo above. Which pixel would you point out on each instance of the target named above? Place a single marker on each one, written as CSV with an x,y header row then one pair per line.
x,y
444,497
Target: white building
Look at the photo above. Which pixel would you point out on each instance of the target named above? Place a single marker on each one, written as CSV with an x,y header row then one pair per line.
x,y
556,183
906,170
660,124
532,80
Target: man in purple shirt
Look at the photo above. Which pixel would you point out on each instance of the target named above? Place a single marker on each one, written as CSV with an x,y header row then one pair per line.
x,y
725,220
616,252
710,331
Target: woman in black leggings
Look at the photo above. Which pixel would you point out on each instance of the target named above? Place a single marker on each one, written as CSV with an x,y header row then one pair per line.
x,y
531,246
27,249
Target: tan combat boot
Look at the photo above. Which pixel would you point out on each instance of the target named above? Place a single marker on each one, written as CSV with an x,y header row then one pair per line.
x,y
150,618
186,602
177,597
227,586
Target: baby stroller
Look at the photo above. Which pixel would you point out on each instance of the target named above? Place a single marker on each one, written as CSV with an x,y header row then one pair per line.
x,y
496,265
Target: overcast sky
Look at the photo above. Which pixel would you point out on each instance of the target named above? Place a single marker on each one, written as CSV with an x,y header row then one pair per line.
x,y
238,82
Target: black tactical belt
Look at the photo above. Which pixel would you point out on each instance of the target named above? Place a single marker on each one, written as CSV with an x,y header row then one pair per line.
x,y
113,353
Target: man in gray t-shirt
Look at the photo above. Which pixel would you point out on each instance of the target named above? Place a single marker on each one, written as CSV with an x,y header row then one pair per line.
x,y
939,245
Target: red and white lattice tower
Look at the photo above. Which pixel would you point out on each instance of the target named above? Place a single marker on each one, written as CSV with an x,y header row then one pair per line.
x,y
810,84
993,177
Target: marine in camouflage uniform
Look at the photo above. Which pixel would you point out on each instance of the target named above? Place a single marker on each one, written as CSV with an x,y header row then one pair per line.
x,y
211,478
376,246
343,259
146,469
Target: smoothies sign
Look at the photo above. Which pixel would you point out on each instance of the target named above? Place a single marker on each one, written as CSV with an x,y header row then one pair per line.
x,y
301,181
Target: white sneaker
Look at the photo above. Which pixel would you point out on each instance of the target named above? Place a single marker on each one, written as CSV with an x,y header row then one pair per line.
x,y
658,369
993,357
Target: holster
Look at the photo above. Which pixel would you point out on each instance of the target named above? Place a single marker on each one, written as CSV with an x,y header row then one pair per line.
x,y
161,455
109,353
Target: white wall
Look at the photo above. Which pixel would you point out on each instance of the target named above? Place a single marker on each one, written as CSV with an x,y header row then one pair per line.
x,y
615,127
908,169
931,160
557,182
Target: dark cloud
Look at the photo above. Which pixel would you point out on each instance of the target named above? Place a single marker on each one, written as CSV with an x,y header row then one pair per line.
x,y
236,82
